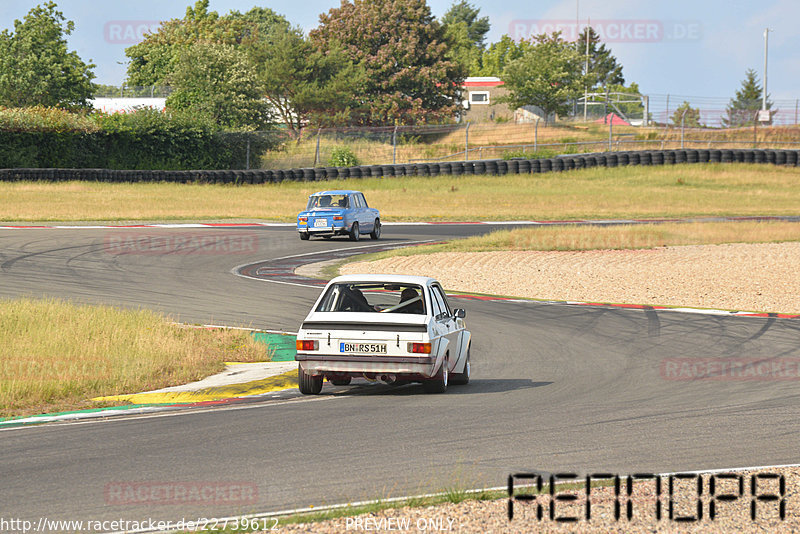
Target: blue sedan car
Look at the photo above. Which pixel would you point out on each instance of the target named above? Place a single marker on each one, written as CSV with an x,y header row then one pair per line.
x,y
331,213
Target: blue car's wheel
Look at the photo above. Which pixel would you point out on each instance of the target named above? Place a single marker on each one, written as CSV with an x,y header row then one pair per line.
x,y
376,230
304,236
355,233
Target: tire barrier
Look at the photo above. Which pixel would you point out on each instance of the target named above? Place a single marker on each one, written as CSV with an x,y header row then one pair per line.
x,y
455,168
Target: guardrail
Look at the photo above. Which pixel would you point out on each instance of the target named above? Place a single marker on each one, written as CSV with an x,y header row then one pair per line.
x,y
455,168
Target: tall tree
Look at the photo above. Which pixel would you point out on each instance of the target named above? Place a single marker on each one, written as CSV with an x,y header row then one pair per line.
x,y
217,81
466,34
742,109
687,115
154,59
403,50
36,67
466,13
305,85
547,75
603,69
495,58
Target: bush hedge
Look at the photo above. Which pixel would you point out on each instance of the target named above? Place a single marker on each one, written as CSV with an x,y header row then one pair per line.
x,y
145,139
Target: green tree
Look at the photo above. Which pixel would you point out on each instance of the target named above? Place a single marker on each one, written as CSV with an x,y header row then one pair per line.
x,y
603,69
466,13
403,51
688,115
35,66
154,59
494,59
742,109
547,75
218,81
305,85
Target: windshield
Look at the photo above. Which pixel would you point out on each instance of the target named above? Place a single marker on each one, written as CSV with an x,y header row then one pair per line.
x,y
327,201
373,297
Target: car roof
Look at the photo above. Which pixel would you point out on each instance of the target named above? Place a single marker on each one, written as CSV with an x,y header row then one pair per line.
x,y
336,192
391,278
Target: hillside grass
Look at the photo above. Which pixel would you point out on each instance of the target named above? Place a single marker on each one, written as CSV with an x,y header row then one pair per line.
x,y
622,192
56,355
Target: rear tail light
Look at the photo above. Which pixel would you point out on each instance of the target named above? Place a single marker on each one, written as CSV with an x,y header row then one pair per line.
x,y
307,344
419,348
303,219
338,218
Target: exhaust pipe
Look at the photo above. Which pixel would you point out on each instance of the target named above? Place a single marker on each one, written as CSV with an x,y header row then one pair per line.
x,y
389,379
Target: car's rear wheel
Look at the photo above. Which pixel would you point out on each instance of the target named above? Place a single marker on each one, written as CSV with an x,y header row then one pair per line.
x,y
462,378
308,385
304,236
344,381
355,233
376,230
438,384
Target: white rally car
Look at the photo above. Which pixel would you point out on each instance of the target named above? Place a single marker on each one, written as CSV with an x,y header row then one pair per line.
x,y
393,328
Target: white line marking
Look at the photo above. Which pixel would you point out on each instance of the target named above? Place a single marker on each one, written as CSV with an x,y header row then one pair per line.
x,y
172,413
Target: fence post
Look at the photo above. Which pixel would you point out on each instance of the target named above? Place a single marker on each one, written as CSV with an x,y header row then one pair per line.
x,y
683,115
466,143
316,154
394,145
755,130
610,132
247,163
536,134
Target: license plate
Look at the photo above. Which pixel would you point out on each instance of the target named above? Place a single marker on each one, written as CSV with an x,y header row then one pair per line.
x,y
363,348
320,223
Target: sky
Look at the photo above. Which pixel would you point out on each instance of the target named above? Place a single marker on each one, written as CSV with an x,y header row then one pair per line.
x,y
697,48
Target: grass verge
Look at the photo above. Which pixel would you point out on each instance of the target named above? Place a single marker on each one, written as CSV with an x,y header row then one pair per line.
x,y
56,355
622,192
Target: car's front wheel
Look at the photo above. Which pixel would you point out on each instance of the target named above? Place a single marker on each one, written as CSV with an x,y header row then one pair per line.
x,y
304,236
355,233
376,230
308,385
438,383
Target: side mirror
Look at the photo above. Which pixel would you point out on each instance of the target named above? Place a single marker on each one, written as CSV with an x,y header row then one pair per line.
x,y
460,313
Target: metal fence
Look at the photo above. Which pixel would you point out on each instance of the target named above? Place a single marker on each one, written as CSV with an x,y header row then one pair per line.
x,y
466,142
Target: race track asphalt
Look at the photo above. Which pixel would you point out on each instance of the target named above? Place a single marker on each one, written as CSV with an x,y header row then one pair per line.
x,y
556,388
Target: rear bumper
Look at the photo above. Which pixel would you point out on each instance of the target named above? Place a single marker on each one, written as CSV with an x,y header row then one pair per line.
x,y
317,364
336,230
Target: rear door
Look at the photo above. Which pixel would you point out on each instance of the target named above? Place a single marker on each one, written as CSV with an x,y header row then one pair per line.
x,y
446,322
364,216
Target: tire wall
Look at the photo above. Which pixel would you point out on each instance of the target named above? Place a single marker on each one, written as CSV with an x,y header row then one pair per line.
x,y
491,167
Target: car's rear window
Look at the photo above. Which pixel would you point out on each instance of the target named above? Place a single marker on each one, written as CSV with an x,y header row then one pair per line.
x,y
373,297
327,201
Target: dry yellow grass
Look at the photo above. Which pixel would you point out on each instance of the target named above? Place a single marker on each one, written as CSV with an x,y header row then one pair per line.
x,y
614,237
499,138
669,191
55,355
